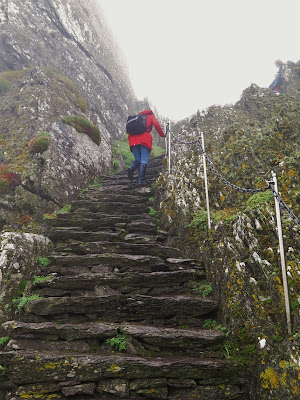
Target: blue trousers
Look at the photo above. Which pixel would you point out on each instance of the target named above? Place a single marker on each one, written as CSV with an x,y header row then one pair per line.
x,y
141,154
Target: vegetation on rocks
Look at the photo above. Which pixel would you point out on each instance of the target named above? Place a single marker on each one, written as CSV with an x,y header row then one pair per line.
x,y
8,179
39,143
82,125
245,143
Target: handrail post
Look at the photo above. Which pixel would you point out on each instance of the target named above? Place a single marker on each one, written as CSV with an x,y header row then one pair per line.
x,y
206,183
169,148
283,266
166,140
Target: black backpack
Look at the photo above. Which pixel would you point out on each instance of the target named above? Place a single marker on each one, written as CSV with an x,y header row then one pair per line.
x,y
136,124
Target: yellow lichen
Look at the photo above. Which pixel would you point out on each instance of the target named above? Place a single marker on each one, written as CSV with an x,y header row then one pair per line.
x,y
269,379
114,368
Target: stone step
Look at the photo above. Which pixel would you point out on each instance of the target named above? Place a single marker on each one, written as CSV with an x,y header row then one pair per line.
x,y
112,197
122,376
141,191
68,234
123,180
113,262
111,207
99,221
122,177
92,337
106,259
162,310
152,284
121,247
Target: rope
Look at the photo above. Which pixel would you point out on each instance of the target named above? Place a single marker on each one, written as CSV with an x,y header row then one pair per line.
x,y
282,204
211,166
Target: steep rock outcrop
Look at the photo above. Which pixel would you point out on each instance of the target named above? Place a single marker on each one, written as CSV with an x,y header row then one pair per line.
x,y
58,59
245,142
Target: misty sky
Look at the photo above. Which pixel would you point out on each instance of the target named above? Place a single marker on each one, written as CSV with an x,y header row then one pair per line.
x,y
188,55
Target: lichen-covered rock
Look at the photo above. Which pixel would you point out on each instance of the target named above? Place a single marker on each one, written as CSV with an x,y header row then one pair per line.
x,y
244,143
63,63
19,254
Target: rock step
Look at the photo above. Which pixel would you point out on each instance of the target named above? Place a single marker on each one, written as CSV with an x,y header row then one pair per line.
x,y
120,247
106,259
111,207
112,196
135,223
92,337
141,191
123,180
110,262
119,263
68,234
123,376
152,173
162,310
152,284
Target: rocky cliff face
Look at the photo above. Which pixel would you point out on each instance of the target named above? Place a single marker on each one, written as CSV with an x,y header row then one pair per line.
x,y
245,143
58,59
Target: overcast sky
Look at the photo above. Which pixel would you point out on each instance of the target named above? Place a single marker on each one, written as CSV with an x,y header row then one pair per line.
x,y
187,55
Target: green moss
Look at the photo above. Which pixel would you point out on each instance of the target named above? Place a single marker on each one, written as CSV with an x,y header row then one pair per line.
x,y
38,279
65,210
39,143
82,125
121,147
260,198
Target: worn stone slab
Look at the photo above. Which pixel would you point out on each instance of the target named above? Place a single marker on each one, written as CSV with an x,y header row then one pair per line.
x,y
173,337
35,344
92,220
70,332
122,281
105,259
127,208
49,367
120,308
111,197
120,247
67,234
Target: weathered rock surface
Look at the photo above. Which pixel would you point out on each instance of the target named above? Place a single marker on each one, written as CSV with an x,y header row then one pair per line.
x,y
58,59
244,142
18,264
116,325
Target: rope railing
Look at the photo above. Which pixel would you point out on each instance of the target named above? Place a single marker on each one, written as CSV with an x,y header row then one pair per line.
x,y
271,185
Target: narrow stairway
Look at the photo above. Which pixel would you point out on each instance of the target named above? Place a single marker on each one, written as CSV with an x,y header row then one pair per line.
x,y
117,317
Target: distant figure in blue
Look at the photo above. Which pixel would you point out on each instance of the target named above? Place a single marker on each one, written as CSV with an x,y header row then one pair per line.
x,y
276,84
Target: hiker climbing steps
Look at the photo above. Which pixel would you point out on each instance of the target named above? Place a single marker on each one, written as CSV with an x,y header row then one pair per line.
x,y
115,315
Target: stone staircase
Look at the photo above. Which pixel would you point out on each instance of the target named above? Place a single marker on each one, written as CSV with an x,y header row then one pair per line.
x,y
117,317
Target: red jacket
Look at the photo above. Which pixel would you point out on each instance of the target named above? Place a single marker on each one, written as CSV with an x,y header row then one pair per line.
x,y
145,138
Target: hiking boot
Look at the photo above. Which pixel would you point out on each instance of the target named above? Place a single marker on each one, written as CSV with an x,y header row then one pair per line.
x,y
142,173
132,168
130,173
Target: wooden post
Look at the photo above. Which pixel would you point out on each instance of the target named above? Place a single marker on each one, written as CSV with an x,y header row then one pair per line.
x,y
283,267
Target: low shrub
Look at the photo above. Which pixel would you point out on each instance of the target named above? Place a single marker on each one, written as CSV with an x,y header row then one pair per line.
x,y
82,125
8,179
39,143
